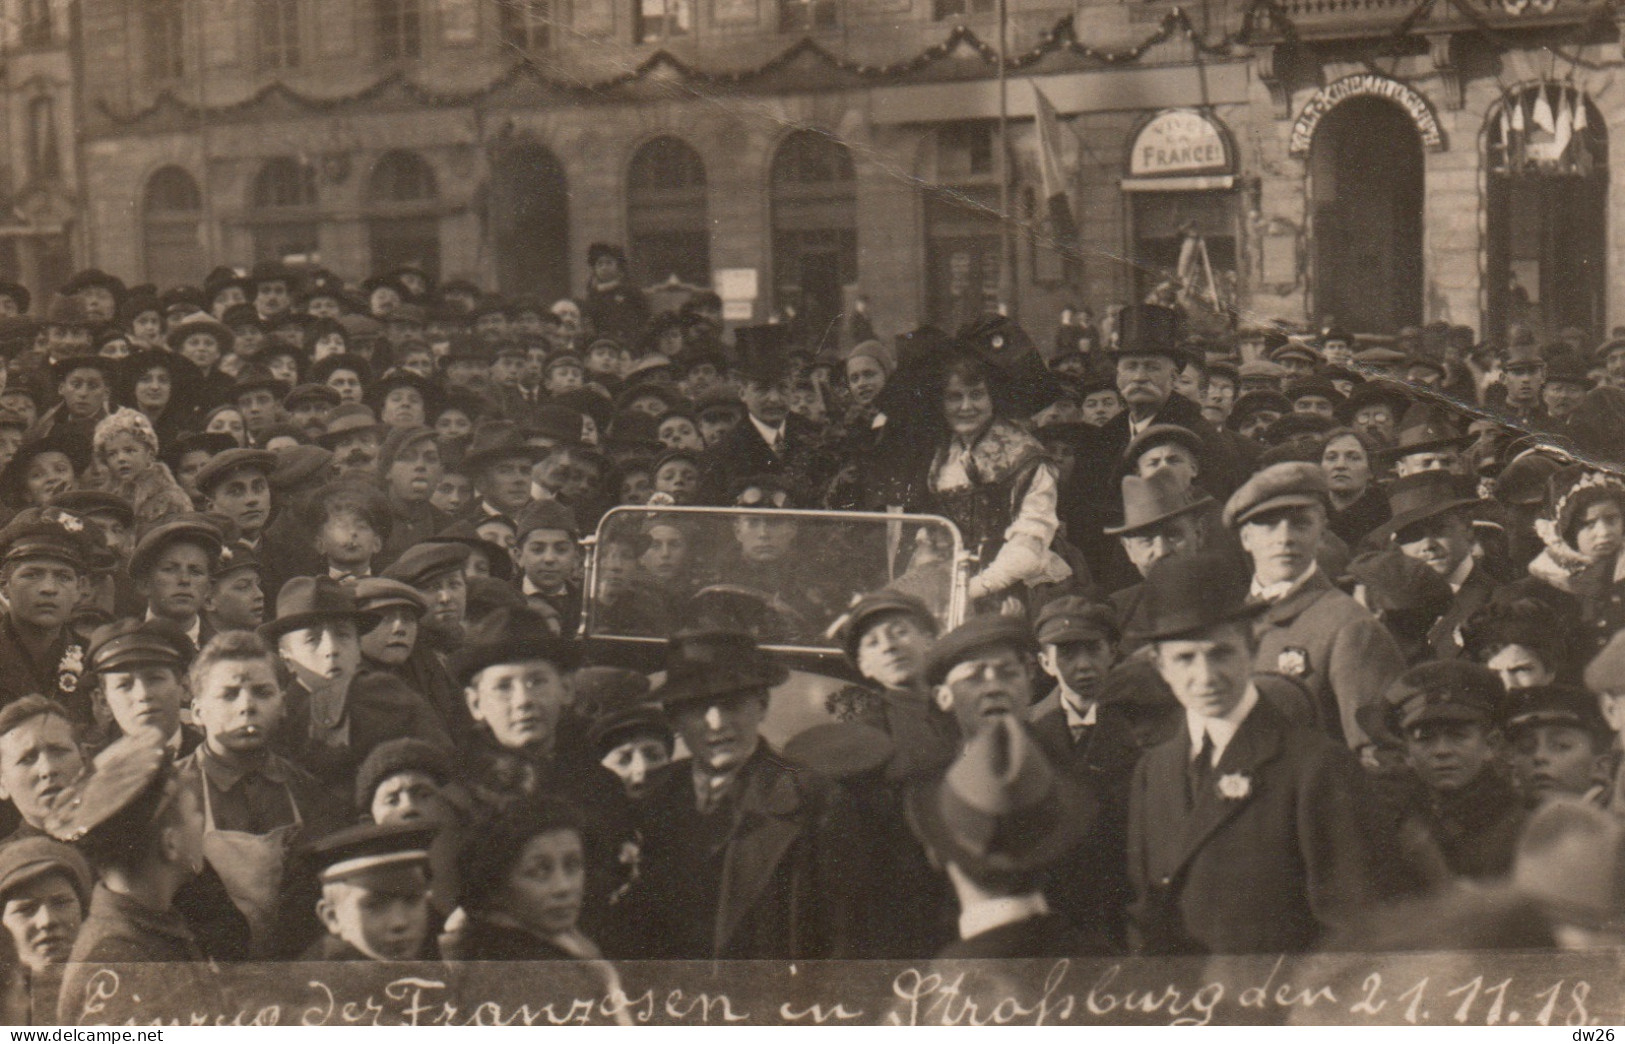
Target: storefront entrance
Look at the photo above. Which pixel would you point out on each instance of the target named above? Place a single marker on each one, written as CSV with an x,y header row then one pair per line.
x,y
1365,173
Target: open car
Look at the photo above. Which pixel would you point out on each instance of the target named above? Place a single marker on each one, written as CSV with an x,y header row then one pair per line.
x,y
786,577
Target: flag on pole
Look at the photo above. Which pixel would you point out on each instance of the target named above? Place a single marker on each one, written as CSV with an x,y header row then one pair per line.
x,y
1052,173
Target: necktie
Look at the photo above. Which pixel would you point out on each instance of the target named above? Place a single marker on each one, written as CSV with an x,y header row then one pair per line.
x,y
1199,772
778,443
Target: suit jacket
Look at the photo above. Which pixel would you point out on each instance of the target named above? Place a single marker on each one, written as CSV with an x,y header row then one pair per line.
x,y
1474,593
1269,869
1331,644
806,463
380,707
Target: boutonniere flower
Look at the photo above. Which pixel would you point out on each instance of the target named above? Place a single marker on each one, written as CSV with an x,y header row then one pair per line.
x,y
68,671
72,524
1293,662
1234,786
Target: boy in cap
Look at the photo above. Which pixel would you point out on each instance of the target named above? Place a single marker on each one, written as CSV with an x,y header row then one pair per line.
x,y
1560,743
140,671
43,565
886,637
350,521
44,889
141,827
1457,814
548,555
983,670
237,484
236,600
171,568
1308,630
375,894
1240,794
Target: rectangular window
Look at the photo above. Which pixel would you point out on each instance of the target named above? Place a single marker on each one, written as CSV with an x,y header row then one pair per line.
x,y
166,41
35,30
663,19
43,156
527,25
966,150
800,16
963,8
278,28
398,29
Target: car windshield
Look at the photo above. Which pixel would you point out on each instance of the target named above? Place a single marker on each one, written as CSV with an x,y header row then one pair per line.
x,y
786,577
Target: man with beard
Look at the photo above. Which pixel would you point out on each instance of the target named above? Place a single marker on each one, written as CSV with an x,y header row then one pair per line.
x,y
44,889
42,573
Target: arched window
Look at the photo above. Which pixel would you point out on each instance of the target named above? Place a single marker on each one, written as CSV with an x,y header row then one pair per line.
x,y
666,214
1547,212
172,226
283,204
404,227
813,190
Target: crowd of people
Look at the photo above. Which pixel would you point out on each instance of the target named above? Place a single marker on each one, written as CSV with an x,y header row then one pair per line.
x,y
1279,641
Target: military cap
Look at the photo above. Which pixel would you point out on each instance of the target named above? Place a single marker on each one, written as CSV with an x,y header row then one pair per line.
x,y
841,749
979,632
1261,370
311,393
424,562
1567,705
306,601
544,514
188,528
391,758
130,642
374,594
31,535
235,556
1186,594
1074,618
118,798
27,859
297,465
713,663
512,636
221,465
368,847
1443,690
876,603
1292,484
89,502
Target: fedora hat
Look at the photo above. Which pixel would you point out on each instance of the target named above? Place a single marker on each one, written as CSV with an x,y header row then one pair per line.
x,y
1000,808
347,420
1424,495
1148,501
497,440
1187,594
513,636
1424,430
308,600
707,664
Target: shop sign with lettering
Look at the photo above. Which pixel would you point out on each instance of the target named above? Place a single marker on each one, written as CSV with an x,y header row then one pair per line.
x,y
1178,142
1365,85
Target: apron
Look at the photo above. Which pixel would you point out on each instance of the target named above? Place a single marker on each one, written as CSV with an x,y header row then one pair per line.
x,y
250,865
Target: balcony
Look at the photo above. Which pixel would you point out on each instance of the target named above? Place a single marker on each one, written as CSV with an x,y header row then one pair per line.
x,y
1350,19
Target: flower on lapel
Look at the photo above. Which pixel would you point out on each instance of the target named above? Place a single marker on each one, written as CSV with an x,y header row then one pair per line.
x,y
72,665
1293,662
1234,786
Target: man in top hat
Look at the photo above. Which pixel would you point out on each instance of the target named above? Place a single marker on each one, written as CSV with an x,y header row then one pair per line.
x,y
1148,358
43,564
140,680
1247,834
141,828
336,714
44,889
771,440
1432,523
999,870
375,894
738,859
1308,629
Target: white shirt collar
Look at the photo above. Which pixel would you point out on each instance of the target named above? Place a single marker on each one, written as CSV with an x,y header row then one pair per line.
x,y
1223,730
1080,712
984,915
1458,577
193,632
769,435
1136,427
1279,592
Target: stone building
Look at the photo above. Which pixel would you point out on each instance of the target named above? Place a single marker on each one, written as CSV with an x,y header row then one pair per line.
x,y
1302,159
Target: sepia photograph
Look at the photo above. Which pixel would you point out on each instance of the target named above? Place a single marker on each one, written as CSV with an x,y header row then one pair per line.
x,y
675,513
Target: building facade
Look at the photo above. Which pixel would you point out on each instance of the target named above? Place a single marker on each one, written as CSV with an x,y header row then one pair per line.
x,y
1306,159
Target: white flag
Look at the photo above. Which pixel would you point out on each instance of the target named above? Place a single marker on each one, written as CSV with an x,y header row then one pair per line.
x,y
1543,112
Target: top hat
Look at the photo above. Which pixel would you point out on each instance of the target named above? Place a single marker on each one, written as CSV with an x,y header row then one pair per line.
x,y
1149,329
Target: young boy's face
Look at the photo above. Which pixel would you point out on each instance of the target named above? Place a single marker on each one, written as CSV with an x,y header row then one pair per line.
x,y
384,915
347,540
507,370
561,379
1448,755
604,359
1548,760
549,558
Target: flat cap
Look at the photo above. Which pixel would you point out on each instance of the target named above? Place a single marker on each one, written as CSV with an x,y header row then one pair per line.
x,y
1074,619
129,642
374,594
1443,690
1289,484
978,632
131,769
30,858
177,529
544,514
841,749
874,604
221,465
359,850
1567,705
423,562
235,555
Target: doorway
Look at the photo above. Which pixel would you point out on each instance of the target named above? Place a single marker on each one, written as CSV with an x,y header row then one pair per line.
x,y
528,220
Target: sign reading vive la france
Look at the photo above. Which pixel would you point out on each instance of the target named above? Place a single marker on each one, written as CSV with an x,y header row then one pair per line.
x,y
1175,142
1365,85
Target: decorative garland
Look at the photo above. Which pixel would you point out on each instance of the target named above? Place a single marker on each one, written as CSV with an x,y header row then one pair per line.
x,y
1061,38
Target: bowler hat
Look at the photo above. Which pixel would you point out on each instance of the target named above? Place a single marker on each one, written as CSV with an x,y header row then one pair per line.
x,y
710,664
1187,594
1423,495
513,636
306,601
1001,808
1150,501
1375,392
979,632
1290,484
